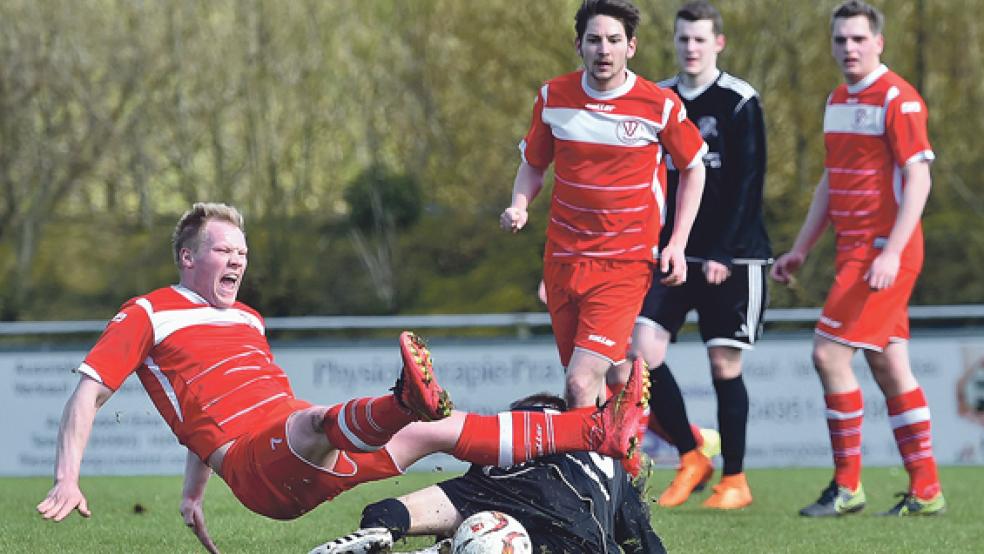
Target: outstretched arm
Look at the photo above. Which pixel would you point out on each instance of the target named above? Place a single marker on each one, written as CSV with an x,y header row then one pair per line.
x,y
193,499
73,434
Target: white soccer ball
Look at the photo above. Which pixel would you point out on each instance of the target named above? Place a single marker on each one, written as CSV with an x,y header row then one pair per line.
x,y
491,533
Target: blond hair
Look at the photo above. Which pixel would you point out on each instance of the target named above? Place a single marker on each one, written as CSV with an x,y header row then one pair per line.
x,y
190,230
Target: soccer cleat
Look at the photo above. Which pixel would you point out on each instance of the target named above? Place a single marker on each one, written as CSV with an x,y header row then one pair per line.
x,y
619,416
730,494
695,470
417,389
836,500
364,541
912,505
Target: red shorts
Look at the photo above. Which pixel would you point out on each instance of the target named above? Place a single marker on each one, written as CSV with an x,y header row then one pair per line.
x,y
269,478
858,316
593,304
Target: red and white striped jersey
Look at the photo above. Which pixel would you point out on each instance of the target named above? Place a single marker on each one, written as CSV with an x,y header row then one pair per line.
x,y
872,129
609,164
209,371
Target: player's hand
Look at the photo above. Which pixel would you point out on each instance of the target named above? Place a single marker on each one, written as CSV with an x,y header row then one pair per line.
x,y
883,271
513,219
716,272
673,264
62,499
193,512
785,266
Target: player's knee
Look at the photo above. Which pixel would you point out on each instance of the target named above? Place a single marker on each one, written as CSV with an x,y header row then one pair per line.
x,y
389,513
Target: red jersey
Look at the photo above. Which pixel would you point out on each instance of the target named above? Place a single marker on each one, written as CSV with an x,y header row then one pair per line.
x,y
609,164
209,371
872,129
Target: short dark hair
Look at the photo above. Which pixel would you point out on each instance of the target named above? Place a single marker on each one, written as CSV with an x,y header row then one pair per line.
x,y
854,8
699,10
622,10
539,401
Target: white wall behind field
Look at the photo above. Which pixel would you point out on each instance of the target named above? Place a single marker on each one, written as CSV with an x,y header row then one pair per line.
x,y
786,424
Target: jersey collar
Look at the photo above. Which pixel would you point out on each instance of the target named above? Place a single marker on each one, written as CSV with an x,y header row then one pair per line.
x,y
868,80
630,80
691,93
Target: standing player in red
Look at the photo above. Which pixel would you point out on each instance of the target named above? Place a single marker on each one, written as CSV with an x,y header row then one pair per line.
x,y
873,190
607,132
205,362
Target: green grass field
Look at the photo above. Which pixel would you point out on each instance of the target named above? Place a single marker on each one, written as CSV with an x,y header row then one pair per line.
x,y
769,525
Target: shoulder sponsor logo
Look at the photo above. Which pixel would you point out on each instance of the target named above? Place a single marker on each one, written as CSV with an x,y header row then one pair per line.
x,y
599,107
910,107
833,323
274,441
629,131
708,126
602,340
118,318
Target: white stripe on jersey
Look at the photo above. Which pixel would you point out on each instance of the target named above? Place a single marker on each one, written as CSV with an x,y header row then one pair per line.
x,y
253,407
855,119
172,397
605,188
590,233
168,322
579,125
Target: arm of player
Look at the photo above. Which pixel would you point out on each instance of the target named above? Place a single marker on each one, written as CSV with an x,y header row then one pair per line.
x,y
689,191
744,173
528,182
73,434
193,499
885,267
813,227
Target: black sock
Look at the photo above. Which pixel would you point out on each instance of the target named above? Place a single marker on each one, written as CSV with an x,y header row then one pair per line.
x,y
666,405
732,398
389,513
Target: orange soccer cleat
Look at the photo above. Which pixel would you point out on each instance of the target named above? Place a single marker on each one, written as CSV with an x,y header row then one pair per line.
x,y
695,470
417,388
730,494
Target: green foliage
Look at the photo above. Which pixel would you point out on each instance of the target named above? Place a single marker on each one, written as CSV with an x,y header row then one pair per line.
x,y
770,524
378,198
115,116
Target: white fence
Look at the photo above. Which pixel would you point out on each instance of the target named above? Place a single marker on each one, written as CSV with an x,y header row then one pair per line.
x,y
786,427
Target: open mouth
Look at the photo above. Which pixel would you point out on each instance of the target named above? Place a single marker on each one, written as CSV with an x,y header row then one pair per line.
x,y
229,281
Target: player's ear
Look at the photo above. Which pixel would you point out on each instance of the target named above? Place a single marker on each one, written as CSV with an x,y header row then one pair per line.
x,y
187,260
631,50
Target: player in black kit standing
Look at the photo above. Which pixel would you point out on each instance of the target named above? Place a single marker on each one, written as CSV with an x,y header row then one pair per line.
x,y
727,257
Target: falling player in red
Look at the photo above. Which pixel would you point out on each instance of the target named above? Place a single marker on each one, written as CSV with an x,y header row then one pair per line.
x,y
205,362
873,190
607,132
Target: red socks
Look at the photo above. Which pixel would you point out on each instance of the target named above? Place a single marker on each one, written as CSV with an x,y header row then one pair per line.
x,y
509,438
845,411
909,416
365,424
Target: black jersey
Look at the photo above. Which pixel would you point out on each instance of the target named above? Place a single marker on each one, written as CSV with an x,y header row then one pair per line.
x,y
570,503
729,227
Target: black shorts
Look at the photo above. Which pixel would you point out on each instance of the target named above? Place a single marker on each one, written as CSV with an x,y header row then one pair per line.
x,y
728,314
545,507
